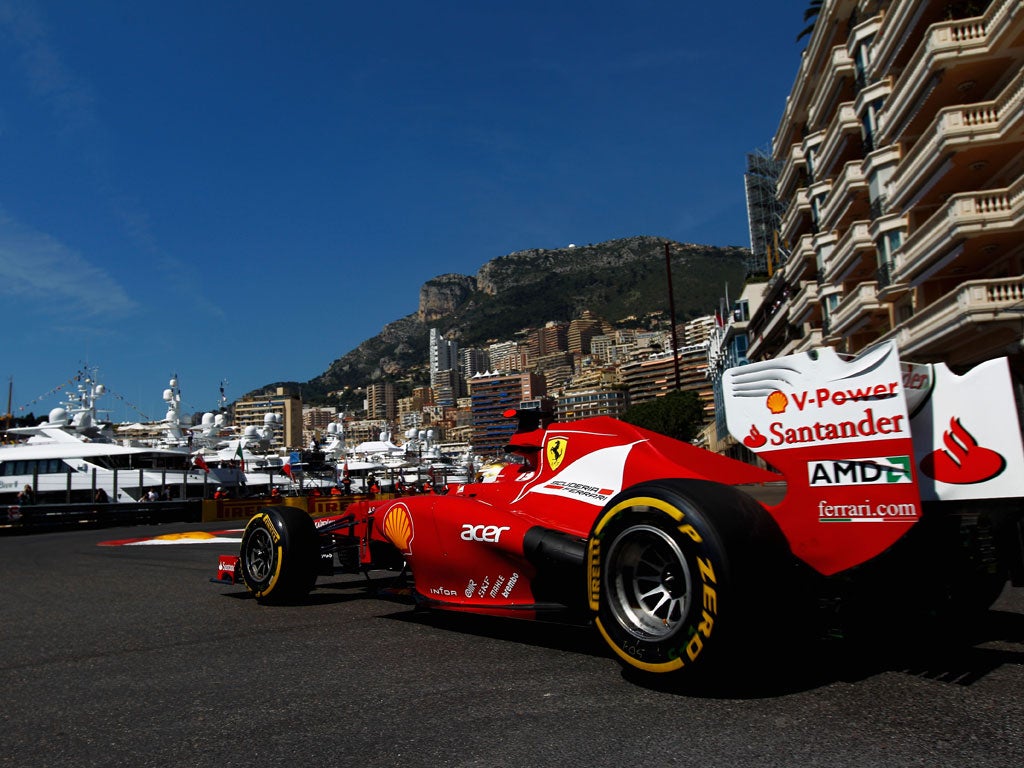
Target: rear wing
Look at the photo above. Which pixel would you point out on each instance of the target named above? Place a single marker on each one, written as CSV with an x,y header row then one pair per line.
x,y
966,431
863,441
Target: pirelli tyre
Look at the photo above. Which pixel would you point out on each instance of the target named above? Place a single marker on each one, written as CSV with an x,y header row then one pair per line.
x,y
280,555
674,568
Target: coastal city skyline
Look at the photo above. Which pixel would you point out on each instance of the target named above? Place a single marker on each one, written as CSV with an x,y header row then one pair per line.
x,y
245,193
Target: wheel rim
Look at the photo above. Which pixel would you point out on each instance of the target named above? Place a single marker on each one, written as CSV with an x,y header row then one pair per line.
x,y
259,554
648,582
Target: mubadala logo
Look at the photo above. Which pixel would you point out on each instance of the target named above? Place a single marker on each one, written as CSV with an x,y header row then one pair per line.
x,y
883,470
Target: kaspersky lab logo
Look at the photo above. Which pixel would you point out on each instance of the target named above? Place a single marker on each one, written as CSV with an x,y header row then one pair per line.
x,y
882,470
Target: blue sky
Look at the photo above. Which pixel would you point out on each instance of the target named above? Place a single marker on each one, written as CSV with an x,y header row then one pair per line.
x,y
245,191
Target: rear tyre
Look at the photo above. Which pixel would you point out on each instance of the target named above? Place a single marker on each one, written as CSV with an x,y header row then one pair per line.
x,y
280,555
674,569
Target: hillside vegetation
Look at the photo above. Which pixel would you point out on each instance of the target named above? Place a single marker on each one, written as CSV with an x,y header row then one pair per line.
x,y
619,281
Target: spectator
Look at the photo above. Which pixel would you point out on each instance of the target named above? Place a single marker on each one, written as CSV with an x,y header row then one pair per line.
x,y
26,496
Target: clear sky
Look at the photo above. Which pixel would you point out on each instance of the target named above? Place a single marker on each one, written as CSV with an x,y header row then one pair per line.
x,y
246,190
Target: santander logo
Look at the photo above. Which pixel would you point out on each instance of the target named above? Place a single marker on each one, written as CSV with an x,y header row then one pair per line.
x,y
962,461
755,439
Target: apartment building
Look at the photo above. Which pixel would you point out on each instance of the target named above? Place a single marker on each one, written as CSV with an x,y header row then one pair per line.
x,y
576,404
380,401
901,154
655,375
284,409
492,395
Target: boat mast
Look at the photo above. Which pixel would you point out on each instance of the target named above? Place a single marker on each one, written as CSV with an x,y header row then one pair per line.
x,y
10,395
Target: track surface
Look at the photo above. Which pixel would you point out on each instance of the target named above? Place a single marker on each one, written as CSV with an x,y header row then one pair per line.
x,y
128,656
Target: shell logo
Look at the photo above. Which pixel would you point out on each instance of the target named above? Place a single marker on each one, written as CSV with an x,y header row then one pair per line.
x,y
777,402
555,451
398,528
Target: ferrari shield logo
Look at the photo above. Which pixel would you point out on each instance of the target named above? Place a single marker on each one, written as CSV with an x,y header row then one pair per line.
x,y
555,451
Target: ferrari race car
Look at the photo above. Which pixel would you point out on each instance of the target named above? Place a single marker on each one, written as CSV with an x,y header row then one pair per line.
x,y
898,487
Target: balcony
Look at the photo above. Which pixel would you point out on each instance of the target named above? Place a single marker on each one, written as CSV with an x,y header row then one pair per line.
x,y
977,320
792,170
809,341
848,196
845,126
987,215
950,54
840,67
801,262
797,218
853,250
958,139
775,331
858,309
805,304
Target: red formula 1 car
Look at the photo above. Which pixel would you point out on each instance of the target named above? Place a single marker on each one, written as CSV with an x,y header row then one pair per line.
x,y
900,488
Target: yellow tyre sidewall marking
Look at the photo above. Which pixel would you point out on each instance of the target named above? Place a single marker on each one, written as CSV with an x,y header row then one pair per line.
x,y
276,536
665,666
594,577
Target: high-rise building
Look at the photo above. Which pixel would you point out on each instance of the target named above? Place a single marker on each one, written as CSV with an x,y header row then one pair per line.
x,y
902,151
445,377
581,331
491,396
473,361
553,337
380,401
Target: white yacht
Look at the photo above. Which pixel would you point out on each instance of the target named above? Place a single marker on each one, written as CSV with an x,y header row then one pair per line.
x,y
73,455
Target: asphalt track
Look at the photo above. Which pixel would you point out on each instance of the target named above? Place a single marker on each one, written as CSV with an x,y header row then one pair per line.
x,y
128,656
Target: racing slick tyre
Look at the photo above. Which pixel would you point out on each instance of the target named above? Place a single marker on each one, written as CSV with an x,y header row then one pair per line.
x,y
673,570
280,555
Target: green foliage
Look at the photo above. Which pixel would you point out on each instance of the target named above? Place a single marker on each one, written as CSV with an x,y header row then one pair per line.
x,y
676,414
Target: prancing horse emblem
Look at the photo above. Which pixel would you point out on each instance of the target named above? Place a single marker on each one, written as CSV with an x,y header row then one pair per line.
x,y
555,451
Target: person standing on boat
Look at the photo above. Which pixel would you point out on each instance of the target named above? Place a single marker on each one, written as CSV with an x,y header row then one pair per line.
x,y
26,496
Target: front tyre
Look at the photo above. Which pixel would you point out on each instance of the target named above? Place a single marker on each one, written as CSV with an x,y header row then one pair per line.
x,y
279,555
672,569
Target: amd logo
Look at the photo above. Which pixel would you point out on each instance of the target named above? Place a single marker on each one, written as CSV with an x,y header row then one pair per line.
x,y
882,470
488,533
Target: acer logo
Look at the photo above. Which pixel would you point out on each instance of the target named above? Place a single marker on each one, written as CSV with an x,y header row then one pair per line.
x,y
488,533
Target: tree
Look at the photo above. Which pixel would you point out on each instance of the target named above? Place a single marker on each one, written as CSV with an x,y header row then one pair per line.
x,y
811,15
676,414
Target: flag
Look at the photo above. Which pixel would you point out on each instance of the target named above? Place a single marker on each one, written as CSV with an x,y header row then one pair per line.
x,y
287,467
240,455
344,471
200,462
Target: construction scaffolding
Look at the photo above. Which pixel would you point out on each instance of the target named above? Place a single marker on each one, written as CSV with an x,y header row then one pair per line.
x,y
764,211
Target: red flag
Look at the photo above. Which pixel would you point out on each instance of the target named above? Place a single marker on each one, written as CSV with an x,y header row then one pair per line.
x,y
344,472
200,462
287,468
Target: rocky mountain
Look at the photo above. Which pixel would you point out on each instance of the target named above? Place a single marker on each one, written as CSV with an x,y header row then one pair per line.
x,y
616,280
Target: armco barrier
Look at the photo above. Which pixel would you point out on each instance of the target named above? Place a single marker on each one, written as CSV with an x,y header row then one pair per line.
x,y
43,517
217,510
